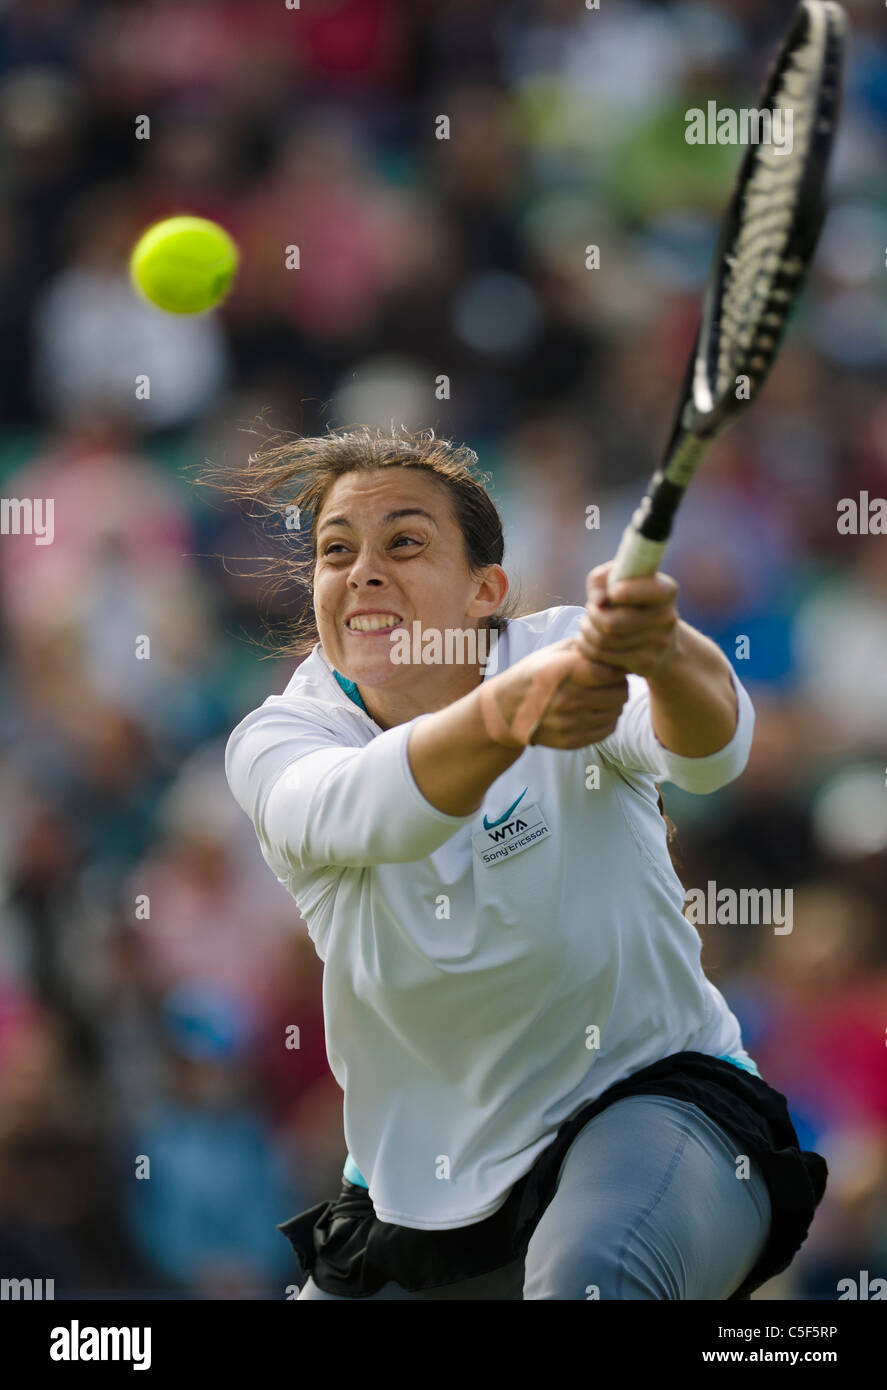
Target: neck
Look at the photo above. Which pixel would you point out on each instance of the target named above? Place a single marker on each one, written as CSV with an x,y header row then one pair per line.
x,y
434,689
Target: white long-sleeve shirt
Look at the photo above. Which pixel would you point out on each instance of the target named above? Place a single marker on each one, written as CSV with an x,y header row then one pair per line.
x,y
484,975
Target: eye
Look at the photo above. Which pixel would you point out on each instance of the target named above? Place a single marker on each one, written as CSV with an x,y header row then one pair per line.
x,y
335,546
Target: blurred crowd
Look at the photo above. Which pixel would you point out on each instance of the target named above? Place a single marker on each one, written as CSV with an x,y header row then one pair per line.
x,y
159,1115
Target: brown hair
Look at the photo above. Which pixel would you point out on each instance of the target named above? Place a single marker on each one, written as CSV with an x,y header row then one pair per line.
x,y
290,475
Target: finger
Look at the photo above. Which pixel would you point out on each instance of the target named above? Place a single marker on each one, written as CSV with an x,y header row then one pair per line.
x,y
644,590
558,734
596,579
594,668
621,653
589,672
600,655
590,704
639,659
583,702
615,651
626,622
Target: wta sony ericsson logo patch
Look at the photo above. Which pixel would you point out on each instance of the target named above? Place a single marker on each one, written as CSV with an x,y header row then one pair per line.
x,y
509,837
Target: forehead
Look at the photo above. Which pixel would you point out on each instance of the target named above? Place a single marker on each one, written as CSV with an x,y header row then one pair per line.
x,y
364,495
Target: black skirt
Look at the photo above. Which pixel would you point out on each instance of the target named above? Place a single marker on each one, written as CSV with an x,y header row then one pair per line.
x,y
349,1252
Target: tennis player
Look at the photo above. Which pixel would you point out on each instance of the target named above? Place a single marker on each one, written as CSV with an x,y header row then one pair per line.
x,y
544,1096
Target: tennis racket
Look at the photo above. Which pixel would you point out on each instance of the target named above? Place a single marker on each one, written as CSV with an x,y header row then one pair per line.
x,y
766,243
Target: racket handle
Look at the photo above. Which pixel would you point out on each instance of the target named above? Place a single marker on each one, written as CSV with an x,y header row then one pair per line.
x,y
636,557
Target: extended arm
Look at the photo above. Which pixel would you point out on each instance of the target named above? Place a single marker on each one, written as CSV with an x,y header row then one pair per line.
x,y
693,703
316,803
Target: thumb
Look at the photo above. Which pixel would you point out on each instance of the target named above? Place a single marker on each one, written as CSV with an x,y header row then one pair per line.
x,y
596,582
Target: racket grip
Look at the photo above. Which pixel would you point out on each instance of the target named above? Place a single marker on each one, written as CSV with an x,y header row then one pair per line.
x,y
636,557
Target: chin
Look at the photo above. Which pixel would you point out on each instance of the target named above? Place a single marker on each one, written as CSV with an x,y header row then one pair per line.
x,y
372,674
370,668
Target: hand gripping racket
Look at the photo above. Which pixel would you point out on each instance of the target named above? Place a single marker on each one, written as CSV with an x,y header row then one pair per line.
x,y
767,240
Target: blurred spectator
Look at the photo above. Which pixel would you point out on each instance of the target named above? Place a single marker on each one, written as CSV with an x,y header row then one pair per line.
x,y
59,1186
203,906
208,1188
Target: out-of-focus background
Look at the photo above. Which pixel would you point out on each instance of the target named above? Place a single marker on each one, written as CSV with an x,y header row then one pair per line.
x,y
149,963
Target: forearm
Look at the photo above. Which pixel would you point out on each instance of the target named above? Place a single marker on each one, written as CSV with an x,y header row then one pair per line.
x,y
692,699
453,758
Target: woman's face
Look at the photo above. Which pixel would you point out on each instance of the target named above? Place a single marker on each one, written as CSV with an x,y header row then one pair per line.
x,y
410,566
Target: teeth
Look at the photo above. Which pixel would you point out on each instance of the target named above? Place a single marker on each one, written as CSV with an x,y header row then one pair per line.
x,y
369,622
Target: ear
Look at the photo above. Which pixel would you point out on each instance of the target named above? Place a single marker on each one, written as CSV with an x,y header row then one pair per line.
x,y
489,595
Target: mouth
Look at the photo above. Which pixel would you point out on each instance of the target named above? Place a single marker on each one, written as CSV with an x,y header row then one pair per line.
x,y
373,624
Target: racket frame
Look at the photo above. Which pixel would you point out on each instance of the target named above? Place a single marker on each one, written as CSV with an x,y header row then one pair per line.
x,y
701,415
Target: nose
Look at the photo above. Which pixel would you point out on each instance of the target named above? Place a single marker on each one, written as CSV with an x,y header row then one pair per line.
x,y
367,569
356,583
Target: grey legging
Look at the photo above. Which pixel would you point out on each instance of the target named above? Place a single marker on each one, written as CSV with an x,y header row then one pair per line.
x,y
648,1205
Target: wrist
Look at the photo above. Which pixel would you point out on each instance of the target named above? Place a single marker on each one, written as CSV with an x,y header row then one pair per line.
x,y
673,670
498,708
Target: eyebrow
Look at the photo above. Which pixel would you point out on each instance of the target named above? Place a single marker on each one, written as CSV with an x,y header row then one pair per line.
x,y
389,516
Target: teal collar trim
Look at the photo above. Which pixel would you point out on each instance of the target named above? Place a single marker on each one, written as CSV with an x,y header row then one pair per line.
x,y
350,689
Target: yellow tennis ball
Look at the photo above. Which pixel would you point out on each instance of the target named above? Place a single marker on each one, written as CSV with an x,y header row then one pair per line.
x,y
184,265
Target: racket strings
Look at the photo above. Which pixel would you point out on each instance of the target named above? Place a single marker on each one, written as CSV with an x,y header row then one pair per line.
x,y
760,280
